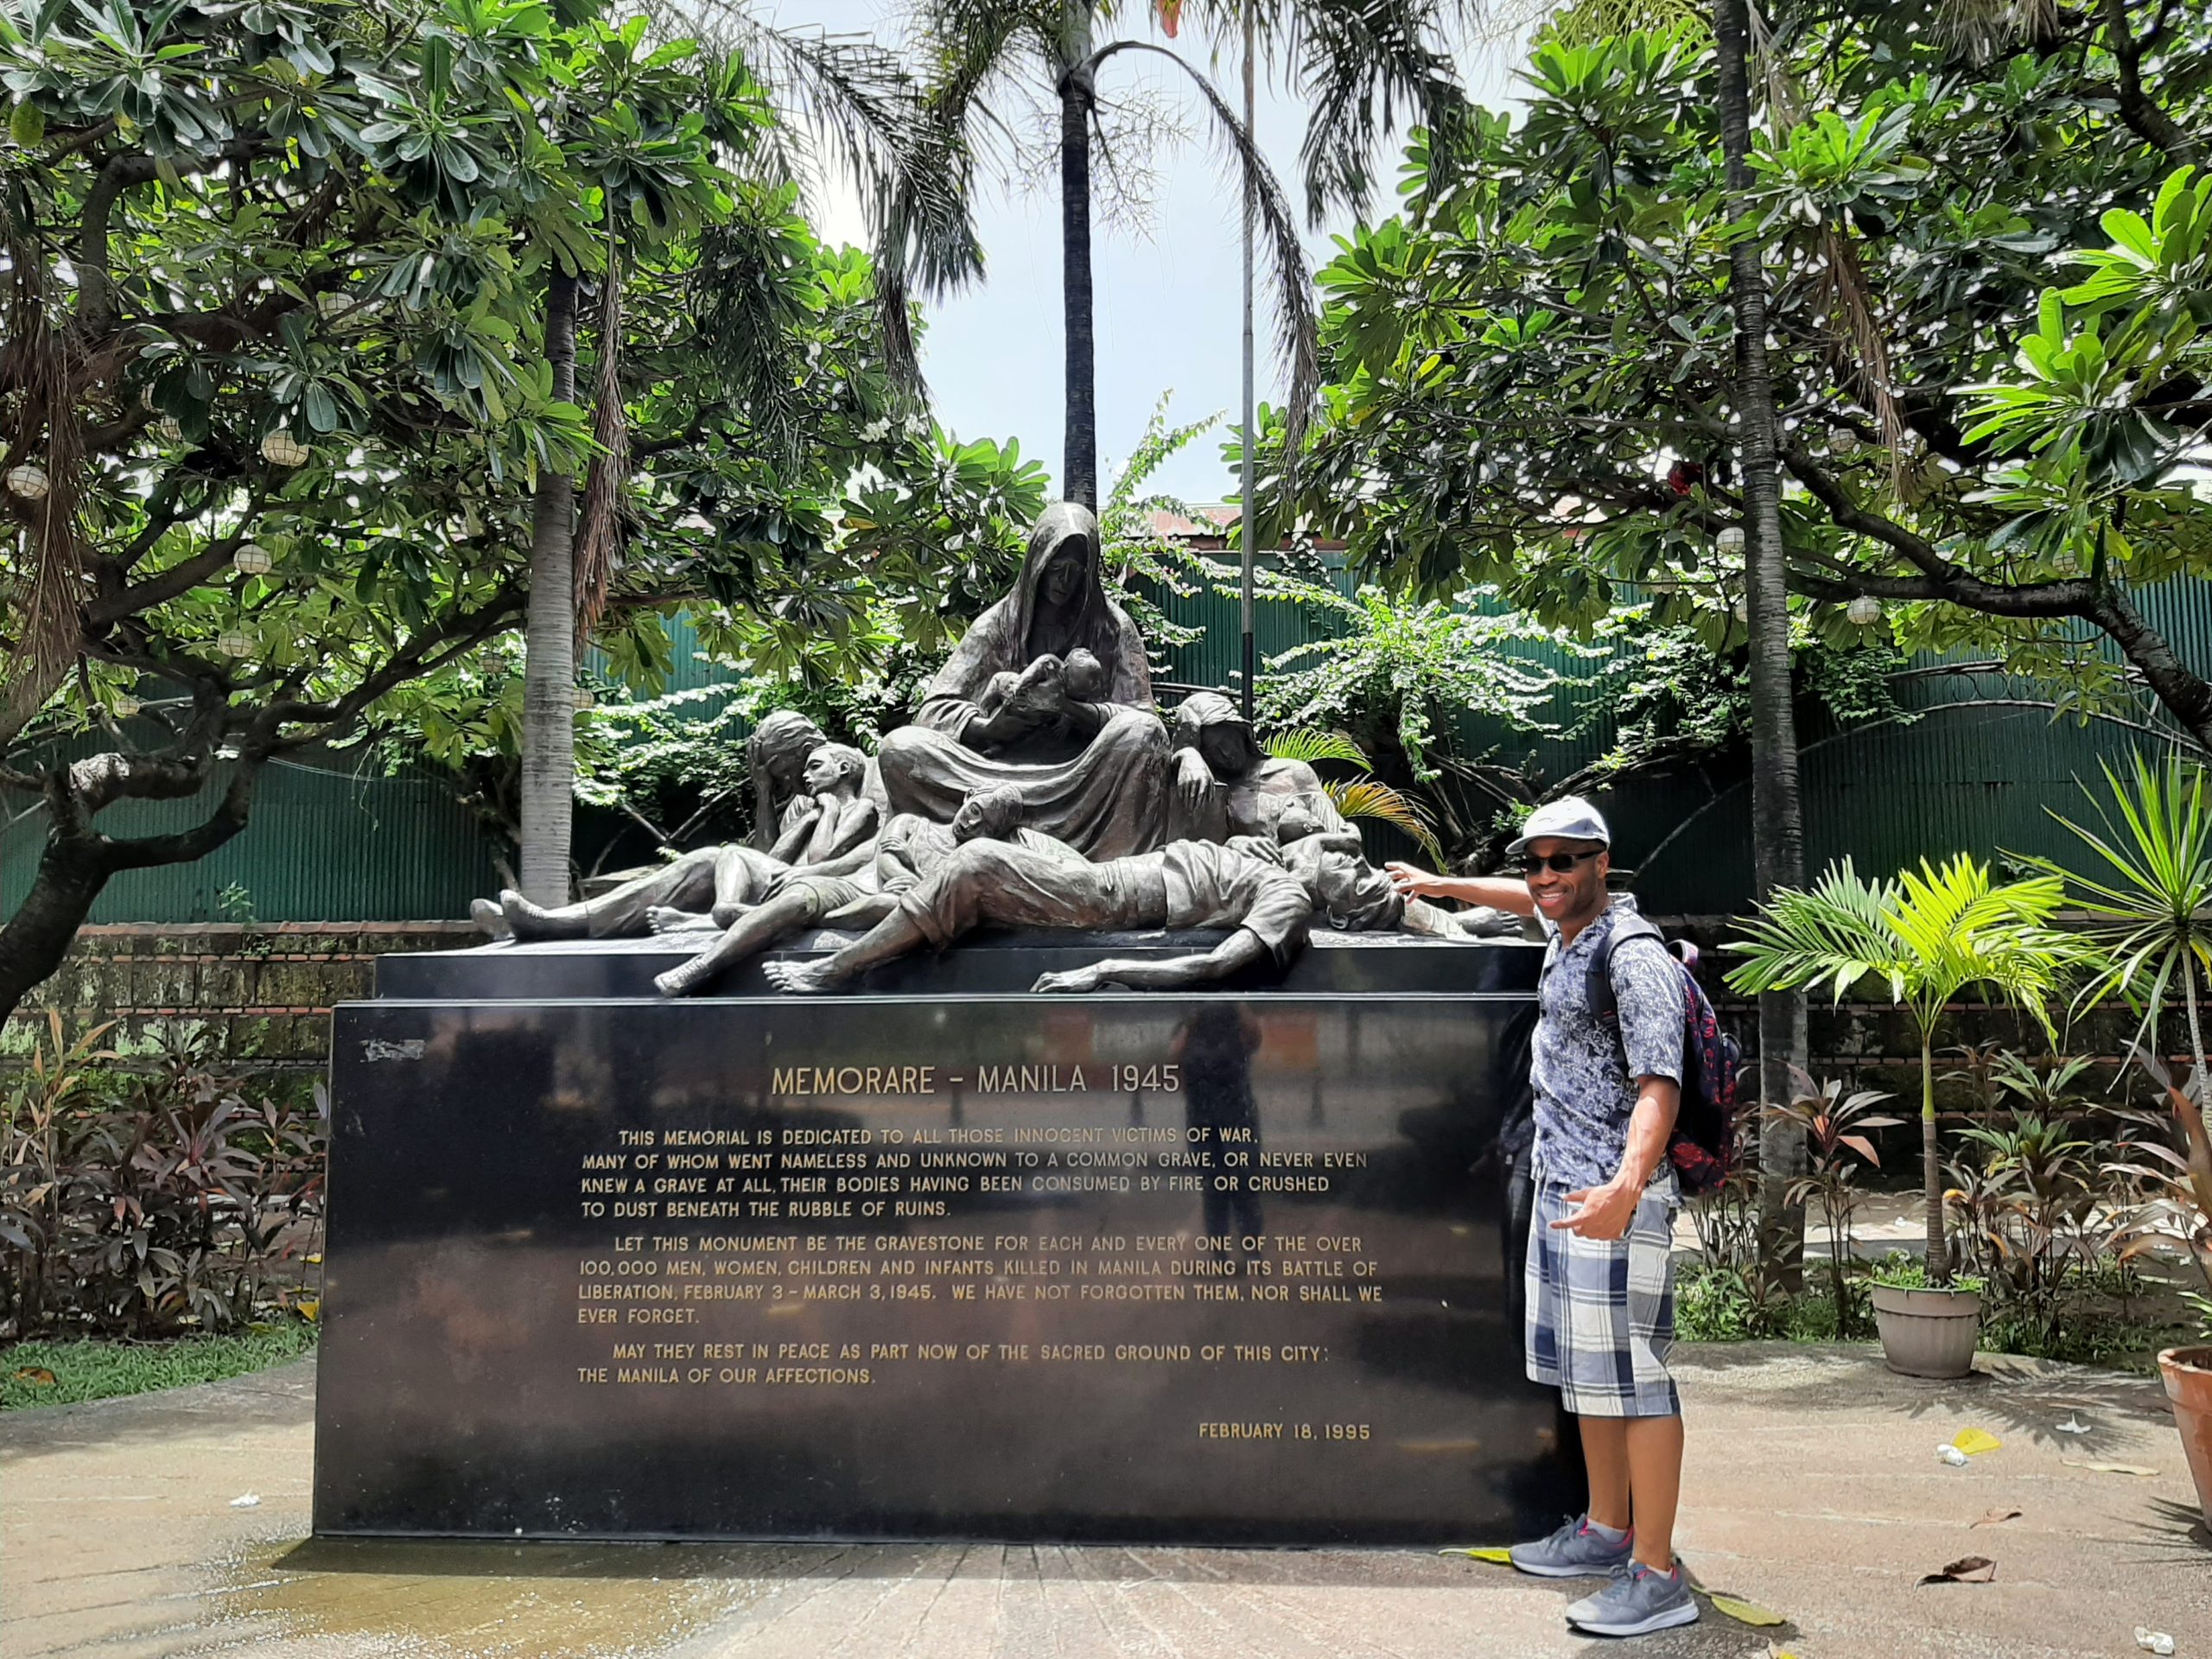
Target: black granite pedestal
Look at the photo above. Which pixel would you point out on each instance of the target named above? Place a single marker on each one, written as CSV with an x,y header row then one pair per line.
x,y
940,1262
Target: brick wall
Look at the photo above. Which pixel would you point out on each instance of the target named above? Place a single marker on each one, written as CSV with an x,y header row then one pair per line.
x,y
271,985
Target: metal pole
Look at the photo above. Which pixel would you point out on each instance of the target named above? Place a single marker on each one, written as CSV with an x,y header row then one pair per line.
x,y
1247,515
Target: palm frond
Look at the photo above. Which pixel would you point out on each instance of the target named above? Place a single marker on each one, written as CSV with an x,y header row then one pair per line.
x,y
882,132
1306,743
1363,65
1929,935
1370,797
1297,321
598,520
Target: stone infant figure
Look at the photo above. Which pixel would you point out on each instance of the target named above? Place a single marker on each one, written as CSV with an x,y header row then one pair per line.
x,y
1079,674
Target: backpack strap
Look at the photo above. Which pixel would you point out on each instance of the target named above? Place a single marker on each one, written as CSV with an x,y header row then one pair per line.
x,y
1604,1003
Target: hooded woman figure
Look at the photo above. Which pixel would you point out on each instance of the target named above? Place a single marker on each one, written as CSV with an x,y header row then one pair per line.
x,y
1092,771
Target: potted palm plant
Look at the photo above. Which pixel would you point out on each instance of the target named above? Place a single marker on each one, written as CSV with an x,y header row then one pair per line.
x,y
2149,903
1926,937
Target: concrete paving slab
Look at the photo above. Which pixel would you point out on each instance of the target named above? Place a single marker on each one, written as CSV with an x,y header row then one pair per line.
x,y
1812,1489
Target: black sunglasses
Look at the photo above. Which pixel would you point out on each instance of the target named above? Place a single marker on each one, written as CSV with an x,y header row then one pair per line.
x,y
1561,863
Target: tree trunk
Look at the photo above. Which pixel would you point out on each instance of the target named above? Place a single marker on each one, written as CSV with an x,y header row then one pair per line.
x,y
1079,465
2184,694
78,860
1777,822
549,735
69,877
1931,1167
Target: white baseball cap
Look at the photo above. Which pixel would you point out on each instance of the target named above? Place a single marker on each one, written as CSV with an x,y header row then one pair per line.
x,y
1568,818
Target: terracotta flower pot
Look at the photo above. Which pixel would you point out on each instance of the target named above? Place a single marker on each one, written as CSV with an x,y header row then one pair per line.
x,y
2188,1372
1927,1333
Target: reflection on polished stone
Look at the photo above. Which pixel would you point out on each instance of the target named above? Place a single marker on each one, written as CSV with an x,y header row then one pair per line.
x,y
1212,1268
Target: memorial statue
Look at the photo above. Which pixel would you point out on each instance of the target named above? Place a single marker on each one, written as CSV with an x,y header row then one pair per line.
x,y
910,848
1226,784
1266,893
831,824
1091,766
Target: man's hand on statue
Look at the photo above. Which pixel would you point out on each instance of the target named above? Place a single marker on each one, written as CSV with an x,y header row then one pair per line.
x,y
1411,881
1078,979
1605,1213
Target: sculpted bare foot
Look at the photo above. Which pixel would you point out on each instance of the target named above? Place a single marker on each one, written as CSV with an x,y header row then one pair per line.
x,y
666,918
524,920
801,978
685,978
487,915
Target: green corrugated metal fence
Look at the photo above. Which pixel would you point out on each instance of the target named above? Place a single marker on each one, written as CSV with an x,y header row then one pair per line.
x,y
324,845
321,846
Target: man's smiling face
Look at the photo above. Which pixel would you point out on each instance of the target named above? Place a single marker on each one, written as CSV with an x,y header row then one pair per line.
x,y
1570,895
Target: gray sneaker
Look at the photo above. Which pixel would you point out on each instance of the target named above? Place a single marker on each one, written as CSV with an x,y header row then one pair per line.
x,y
1637,1602
1573,1552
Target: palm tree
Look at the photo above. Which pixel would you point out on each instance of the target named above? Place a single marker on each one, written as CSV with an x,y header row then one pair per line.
x,y
868,122
2152,907
1777,812
1360,62
1928,935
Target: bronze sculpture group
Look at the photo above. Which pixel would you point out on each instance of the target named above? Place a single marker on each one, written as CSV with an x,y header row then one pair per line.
x,y
1038,787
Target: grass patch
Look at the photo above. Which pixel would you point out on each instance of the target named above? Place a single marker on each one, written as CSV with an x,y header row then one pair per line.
x,y
90,1369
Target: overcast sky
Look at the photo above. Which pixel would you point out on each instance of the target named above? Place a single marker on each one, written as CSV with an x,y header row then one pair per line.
x,y
1167,292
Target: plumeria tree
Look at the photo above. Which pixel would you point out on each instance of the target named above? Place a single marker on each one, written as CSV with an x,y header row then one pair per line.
x,y
1988,264
275,396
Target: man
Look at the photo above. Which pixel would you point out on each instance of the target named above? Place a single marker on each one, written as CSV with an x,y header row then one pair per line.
x,y
909,849
1600,1274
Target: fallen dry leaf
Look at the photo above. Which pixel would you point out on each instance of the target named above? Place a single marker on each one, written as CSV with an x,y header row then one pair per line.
x,y
1968,1569
2113,1468
1998,1518
1497,1557
1746,1612
37,1375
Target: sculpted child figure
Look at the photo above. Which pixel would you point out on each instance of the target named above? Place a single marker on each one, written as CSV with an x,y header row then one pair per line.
x,y
910,848
834,827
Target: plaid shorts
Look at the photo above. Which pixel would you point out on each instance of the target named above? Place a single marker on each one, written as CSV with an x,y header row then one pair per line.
x,y
1601,1312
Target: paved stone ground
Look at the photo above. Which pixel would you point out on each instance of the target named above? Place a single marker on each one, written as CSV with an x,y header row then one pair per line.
x,y
1812,1489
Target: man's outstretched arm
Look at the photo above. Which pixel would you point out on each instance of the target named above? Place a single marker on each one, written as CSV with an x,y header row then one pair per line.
x,y
1498,891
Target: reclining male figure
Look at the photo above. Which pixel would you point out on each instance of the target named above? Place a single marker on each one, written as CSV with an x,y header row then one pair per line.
x,y
910,848
1241,885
